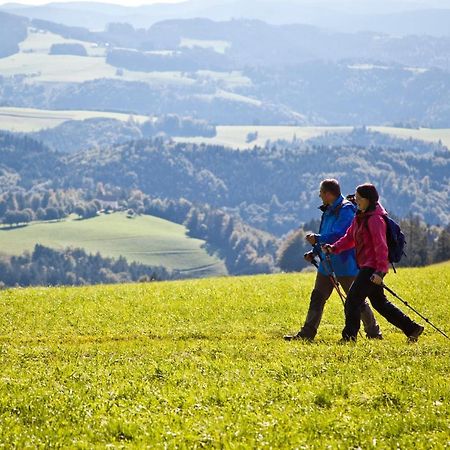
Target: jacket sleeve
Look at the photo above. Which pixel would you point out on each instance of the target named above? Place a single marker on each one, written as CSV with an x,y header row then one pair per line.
x,y
377,230
346,242
340,226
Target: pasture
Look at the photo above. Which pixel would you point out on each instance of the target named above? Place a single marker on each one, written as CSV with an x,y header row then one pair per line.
x,y
202,363
145,239
34,61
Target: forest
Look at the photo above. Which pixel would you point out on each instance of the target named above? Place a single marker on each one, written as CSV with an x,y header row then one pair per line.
x,y
74,267
252,208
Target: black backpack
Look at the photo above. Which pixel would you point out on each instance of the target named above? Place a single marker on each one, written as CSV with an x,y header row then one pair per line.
x,y
395,240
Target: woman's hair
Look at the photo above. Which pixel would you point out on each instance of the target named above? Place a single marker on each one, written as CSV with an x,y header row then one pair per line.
x,y
369,192
332,186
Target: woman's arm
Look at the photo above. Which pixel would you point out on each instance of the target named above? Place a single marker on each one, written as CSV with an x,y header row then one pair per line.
x,y
377,230
346,242
343,221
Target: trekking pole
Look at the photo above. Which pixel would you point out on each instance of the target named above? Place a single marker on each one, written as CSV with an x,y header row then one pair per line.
x,y
332,276
335,281
417,312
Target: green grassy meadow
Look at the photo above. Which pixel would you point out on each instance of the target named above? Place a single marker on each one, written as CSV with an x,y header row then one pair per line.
x,y
202,363
145,239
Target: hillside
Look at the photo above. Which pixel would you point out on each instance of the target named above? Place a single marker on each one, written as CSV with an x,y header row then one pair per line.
x,y
273,188
26,120
144,239
248,181
203,363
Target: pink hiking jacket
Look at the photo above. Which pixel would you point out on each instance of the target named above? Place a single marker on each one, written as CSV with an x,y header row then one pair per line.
x,y
367,233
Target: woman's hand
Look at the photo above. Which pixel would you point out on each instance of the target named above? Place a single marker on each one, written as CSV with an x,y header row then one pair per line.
x,y
376,279
327,249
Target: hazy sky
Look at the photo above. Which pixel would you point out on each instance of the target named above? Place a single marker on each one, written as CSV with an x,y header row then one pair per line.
x,y
117,2
341,3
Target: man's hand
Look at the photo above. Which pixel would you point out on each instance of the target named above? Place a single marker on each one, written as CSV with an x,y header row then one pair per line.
x,y
327,249
309,256
311,238
376,279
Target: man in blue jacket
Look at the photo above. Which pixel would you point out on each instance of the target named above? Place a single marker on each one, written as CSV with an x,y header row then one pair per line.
x,y
337,215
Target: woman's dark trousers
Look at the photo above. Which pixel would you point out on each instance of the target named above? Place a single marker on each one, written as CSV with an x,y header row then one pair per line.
x,y
320,294
362,288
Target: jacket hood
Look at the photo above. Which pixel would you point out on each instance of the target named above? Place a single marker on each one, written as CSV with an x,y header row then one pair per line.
x,y
378,211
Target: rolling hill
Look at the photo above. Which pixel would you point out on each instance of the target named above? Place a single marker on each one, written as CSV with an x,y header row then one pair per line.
x,y
145,239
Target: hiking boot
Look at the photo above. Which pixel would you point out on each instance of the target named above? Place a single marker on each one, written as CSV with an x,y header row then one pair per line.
x,y
377,336
414,336
297,337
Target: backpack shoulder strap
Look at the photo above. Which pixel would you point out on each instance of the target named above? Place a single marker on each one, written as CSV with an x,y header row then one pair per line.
x,y
344,202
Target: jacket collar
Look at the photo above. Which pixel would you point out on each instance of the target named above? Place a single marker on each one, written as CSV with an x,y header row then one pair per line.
x,y
332,207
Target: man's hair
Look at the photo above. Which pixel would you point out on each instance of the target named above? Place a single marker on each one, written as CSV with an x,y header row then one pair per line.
x,y
332,186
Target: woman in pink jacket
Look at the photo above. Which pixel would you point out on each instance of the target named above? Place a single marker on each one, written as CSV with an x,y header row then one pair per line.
x,y
367,234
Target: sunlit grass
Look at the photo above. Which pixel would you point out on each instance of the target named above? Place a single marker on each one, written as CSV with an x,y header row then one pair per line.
x,y
203,363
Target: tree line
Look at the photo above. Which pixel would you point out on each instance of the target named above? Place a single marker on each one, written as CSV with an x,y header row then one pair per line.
x,y
244,249
73,266
20,206
425,244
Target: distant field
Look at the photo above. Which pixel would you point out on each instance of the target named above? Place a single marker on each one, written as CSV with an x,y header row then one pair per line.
x,y
236,136
42,41
34,61
27,120
202,364
145,239
423,134
78,69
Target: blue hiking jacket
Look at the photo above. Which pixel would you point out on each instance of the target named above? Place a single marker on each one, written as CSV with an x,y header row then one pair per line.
x,y
336,218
